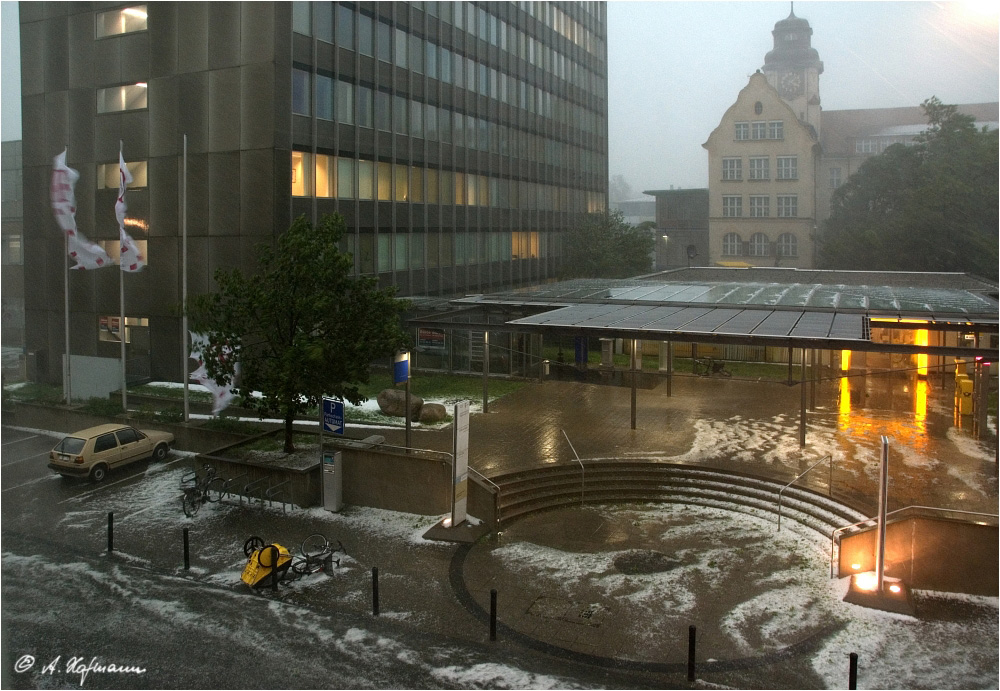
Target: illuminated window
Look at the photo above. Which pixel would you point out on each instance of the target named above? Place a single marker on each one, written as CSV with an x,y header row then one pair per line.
x,y
118,98
384,182
123,21
326,175
108,175
402,186
109,327
416,184
301,174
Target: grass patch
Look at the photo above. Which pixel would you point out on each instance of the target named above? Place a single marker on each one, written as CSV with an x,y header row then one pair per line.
x,y
173,393
229,424
442,386
34,393
102,407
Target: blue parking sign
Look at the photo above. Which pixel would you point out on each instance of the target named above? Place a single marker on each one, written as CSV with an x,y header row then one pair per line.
x,y
333,415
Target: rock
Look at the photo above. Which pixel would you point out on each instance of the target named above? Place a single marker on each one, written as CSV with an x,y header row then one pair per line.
x,y
432,413
392,402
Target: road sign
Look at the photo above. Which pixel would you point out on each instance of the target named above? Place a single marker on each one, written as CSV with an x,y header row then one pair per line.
x,y
333,415
401,368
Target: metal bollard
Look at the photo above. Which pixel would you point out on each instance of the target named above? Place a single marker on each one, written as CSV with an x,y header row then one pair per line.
x,y
852,676
274,567
375,591
493,614
691,638
111,532
187,553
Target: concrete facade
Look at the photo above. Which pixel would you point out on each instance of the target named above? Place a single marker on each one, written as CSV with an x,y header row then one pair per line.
x,y
460,141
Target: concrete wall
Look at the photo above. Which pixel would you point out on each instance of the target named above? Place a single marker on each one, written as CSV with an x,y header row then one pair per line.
x,y
94,377
930,554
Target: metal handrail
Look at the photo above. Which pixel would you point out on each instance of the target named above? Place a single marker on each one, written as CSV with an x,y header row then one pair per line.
x,y
495,486
937,509
828,457
583,477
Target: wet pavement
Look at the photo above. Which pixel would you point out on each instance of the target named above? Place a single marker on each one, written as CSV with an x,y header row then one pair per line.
x,y
594,596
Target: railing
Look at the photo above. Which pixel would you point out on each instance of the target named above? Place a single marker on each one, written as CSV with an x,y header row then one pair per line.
x,y
582,471
900,514
496,493
274,491
799,476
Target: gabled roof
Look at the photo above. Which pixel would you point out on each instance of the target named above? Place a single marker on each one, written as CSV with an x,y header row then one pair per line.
x,y
759,82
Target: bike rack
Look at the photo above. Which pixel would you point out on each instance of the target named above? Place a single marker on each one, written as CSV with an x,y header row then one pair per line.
x,y
232,482
273,491
249,488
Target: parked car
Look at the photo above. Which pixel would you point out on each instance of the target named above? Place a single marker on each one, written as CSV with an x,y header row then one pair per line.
x,y
96,450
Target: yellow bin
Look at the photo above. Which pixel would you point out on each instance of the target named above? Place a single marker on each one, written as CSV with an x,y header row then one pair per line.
x,y
963,394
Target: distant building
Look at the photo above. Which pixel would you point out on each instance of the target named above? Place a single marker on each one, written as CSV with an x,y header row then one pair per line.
x,y
12,226
681,228
777,157
636,211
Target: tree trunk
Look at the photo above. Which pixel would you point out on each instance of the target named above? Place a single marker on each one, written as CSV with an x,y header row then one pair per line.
x,y
289,445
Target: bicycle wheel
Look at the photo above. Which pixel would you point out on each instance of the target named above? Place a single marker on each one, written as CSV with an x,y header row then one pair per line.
x,y
215,489
192,502
252,544
315,545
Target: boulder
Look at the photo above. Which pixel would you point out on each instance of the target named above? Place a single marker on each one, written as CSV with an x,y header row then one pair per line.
x,y
392,402
432,413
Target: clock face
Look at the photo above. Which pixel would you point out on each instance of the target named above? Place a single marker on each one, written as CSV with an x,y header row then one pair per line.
x,y
791,84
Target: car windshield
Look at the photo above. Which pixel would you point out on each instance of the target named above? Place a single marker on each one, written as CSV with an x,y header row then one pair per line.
x,y
71,445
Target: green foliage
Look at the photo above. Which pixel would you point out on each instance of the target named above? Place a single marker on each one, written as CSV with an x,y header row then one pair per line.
x,y
607,247
301,326
930,206
102,407
32,392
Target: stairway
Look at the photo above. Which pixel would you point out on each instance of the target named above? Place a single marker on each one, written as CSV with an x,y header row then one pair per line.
x,y
635,480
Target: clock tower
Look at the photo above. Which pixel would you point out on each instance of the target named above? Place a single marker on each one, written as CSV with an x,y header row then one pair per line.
x,y
793,67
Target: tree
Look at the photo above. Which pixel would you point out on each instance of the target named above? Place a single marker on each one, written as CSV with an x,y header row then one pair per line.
x,y
929,206
618,189
607,247
301,326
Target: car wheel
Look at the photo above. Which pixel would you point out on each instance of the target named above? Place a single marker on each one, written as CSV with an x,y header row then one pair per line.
x,y
99,472
160,452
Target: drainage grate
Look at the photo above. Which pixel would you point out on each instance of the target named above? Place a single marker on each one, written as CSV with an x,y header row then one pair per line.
x,y
565,610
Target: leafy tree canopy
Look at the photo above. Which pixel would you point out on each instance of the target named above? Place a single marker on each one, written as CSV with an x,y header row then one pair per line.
x,y
929,206
605,246
301,326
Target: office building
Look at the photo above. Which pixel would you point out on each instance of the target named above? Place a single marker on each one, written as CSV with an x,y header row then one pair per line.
x,y
460,141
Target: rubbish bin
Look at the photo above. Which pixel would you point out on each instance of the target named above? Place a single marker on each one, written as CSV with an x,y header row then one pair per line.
x,y
963,394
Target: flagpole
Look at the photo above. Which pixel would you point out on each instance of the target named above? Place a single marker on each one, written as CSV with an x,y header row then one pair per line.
x,y
67,380
184,283
121,298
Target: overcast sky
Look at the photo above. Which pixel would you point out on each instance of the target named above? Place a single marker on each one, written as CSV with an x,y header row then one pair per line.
x,y
675,67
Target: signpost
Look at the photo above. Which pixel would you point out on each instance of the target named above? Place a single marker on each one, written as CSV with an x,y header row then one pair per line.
x,y
460,469
401,374
333,416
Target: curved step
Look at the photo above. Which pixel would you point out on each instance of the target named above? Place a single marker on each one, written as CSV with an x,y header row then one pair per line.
x,y
608,481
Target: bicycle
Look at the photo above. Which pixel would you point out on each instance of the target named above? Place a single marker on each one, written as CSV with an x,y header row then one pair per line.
x,y
317,555
709,366
198,491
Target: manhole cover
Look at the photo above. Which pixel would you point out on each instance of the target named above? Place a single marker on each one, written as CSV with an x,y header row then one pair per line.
x,y
564,610
644,561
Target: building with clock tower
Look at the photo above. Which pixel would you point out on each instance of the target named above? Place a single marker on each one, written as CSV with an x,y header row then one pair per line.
x,y
793,67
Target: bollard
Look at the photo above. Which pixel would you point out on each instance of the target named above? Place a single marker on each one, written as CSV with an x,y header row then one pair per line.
x,y
111,532
187,553
274,567
493,614
691,638
374,591
852,676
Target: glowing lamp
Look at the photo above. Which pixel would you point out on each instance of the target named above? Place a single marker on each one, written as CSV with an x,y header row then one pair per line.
x,y
856,567
866,581
894,588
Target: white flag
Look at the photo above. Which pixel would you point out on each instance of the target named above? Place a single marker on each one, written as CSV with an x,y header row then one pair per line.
x,y
131,258
222,394
88,255
63,199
